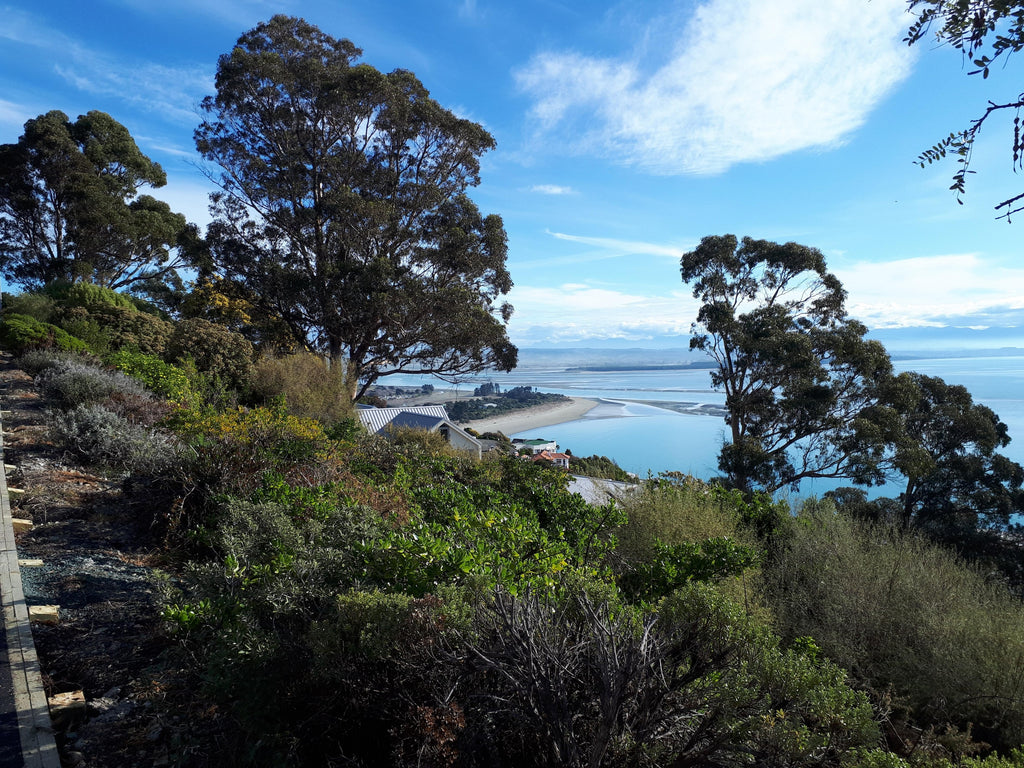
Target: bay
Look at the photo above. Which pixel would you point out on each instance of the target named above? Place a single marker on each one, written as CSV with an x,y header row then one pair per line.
x,y
645,439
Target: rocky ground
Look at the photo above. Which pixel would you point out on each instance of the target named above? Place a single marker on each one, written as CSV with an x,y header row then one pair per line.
x,y
104,566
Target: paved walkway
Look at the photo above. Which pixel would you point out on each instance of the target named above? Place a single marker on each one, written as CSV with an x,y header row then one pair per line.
x,y
26,735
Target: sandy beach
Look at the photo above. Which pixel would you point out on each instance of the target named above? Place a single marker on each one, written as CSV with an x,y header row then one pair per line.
x,y
535,418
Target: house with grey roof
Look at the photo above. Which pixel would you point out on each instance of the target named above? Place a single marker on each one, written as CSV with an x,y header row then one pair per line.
x,y
432,418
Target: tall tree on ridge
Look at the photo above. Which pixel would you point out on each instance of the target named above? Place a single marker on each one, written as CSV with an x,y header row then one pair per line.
x,y
343,207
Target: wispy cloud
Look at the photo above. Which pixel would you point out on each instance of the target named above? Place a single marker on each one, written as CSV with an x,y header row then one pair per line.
x,y
13,115
617,247
579,311
744,81
169,91
946,290
552,189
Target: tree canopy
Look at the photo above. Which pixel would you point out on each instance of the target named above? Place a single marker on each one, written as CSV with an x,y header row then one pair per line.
x,y
801,382
71,208
343,207
984,31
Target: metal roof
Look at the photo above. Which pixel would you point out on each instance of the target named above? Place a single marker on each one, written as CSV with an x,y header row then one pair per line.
x,y
375,419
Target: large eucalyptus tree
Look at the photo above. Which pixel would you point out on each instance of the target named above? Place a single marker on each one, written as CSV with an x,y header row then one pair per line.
x,y
72,207
805,392
343,207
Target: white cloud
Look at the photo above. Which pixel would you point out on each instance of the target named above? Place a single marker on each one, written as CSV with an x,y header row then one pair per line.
x,y
936,291
744,80
552,189
577,312
625,247
171,91
14,115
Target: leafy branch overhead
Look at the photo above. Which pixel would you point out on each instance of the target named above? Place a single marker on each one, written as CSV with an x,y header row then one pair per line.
x,y
984,32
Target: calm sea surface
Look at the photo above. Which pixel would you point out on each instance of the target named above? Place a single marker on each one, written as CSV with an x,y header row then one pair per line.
x,y
643,438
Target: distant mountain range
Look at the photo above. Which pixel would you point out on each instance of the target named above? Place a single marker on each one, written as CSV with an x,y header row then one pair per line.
x,y
671,352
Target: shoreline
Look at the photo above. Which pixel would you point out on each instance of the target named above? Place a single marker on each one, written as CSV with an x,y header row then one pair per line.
x,y
534,418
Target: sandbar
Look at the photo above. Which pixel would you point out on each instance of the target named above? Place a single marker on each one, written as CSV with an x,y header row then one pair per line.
x,y
536,417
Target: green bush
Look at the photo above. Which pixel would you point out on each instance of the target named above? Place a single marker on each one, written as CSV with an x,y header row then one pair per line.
x,y
37,305
164,379
905,614
103,437
128,328
20,333
215,349
87,295
309,387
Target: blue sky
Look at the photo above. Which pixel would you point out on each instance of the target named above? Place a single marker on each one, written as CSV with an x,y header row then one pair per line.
x,y
626,132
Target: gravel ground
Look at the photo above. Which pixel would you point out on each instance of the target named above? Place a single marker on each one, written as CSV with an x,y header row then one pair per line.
x,y
100,557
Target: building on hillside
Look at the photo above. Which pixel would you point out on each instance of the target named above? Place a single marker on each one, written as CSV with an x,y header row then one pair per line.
x,y
535,445
432,418
558,459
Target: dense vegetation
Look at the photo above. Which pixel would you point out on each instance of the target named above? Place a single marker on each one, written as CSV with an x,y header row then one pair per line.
x,y
514,399
341,599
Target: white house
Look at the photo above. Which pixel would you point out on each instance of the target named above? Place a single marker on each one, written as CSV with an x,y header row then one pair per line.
x,y
432,418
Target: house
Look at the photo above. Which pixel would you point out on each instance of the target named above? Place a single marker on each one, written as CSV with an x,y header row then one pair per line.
x,y
558,459
535,445
432,418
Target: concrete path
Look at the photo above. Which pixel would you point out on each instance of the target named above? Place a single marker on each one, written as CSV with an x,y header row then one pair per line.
x,y
26,735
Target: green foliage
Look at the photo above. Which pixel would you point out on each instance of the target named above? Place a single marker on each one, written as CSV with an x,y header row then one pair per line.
x,y
598,466
120,327
800,380
391,270
71,208
583,683
34,304
20,333
216,350
901,612
674,565
87,295
164,379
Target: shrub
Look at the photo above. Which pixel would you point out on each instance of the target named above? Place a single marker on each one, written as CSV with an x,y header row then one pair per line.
x,y
903,613
72,383
87,295
37,305
310,388
102,437
130,329
586,683
20,333
164,379
35,361
216,350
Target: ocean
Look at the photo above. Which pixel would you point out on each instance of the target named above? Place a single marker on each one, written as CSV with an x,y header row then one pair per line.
x,y
644,438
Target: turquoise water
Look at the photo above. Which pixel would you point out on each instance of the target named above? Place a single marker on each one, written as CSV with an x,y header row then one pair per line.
x,y
643,439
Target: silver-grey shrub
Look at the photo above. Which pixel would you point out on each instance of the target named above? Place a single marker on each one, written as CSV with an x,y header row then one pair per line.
x,y
70,383
103,437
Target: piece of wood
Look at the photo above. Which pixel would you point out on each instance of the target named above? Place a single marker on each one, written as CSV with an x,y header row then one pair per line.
x,y
44,614
20,524
10,468
66,708
30,562
16,491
